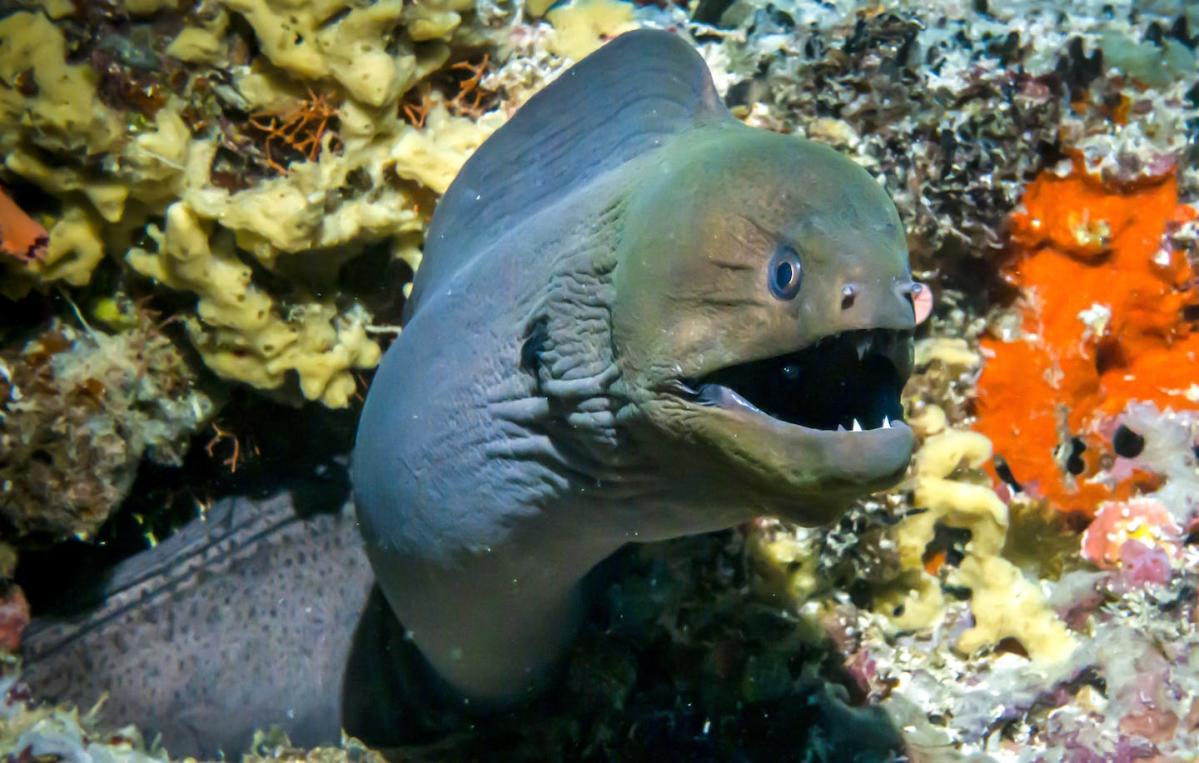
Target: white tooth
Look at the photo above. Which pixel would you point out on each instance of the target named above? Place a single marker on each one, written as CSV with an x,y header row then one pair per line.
x,y
863,346
840,427
886,423
856,426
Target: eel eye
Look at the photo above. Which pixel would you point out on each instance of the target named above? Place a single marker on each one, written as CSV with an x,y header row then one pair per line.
x,y
785,274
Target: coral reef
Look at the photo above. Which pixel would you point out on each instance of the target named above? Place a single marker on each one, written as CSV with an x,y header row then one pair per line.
x,y
59,734
79,408
581,26
14,607
1100,323
234,161
246,170
21,237
32,732
246,181
1003,603
1077,311
955,108
971,613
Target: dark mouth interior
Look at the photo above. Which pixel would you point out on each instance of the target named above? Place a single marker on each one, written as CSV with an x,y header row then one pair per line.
x,y
842,378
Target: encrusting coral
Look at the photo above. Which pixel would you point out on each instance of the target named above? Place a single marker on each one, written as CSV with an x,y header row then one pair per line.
x,y
582,26
21,237
233,159
222,162
240,157
79,408
1003,602
1101,323
238,328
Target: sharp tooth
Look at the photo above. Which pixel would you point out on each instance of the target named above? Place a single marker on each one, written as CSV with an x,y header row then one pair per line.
x,y
856,426
863,346
840,427
886,423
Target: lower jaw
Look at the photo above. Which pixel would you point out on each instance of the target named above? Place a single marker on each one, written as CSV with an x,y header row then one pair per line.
x,y
791,459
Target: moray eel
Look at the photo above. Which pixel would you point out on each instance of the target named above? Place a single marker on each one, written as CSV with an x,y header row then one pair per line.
x,y
636,319
239,621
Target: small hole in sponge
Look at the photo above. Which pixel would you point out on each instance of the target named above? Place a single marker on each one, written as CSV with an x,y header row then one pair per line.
x,y
1127,443
1012,646
1074,463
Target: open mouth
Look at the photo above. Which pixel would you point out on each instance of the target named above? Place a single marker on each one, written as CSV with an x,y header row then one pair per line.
x,y
849,381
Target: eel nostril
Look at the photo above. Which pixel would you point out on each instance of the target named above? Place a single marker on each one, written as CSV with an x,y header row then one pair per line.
x,y
849,293
921,298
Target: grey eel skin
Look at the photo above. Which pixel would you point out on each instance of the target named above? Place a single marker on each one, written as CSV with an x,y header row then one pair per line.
x,y
636,319
238,622
590,347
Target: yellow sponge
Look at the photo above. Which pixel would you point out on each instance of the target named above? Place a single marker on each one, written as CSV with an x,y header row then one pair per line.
x,y
1003,602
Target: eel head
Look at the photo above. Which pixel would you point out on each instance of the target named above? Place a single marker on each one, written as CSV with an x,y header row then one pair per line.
x,y
764,320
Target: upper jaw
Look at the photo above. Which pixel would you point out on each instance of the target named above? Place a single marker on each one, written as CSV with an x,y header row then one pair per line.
x,y
849,381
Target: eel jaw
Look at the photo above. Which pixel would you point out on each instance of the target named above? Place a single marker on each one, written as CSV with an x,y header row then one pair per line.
x,y
843,385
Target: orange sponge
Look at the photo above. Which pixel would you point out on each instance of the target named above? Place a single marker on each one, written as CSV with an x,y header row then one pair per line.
x,y
1102,313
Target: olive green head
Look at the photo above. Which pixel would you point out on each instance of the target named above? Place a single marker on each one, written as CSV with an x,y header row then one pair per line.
x,y
763,320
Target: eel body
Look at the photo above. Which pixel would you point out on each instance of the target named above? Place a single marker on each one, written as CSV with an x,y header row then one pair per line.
x,y
636,319
241,621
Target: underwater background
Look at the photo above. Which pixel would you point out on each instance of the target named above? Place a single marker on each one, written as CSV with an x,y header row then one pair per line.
x,y
211,211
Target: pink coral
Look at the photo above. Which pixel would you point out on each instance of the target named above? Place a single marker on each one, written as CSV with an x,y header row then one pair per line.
x,y
14,616
1143,565
1143,520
